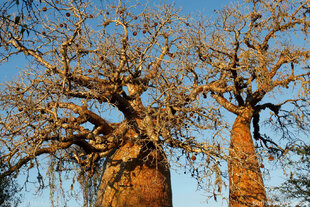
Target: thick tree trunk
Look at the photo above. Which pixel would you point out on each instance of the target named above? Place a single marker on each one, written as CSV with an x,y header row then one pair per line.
x,y
245,179
135,176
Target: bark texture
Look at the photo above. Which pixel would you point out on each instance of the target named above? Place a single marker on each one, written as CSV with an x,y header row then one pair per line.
x,y
135,175
245,179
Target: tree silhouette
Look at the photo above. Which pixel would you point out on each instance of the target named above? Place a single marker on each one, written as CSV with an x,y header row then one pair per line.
x,y
296,186
8,190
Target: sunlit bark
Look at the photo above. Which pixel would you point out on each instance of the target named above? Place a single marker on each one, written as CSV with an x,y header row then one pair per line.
x,y
245,179
135,176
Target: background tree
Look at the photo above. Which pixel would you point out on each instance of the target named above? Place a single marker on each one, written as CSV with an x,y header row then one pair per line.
x,y
8,190
98,99
296,188
243,59
298,184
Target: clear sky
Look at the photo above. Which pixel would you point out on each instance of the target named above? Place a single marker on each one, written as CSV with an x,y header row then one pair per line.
x,y
184,187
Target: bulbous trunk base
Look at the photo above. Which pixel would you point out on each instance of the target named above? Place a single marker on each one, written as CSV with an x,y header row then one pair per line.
x,y
135,176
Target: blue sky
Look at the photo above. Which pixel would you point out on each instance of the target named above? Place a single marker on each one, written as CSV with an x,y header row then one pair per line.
x,y
184,187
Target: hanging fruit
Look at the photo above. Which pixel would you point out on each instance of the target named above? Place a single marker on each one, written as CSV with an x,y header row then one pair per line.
x,y
193,157
271,158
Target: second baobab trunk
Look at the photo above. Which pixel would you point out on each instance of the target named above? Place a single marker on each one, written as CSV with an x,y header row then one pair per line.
x,y
245,179
136,175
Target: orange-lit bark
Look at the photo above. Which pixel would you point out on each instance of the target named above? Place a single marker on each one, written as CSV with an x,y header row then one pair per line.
x,y
245,179
135,176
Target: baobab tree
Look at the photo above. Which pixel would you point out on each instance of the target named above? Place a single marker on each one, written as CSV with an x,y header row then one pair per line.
x,y
250,58
152,68
99,88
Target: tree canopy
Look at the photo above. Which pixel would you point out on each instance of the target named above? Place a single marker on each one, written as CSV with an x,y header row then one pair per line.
x,y
103,77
